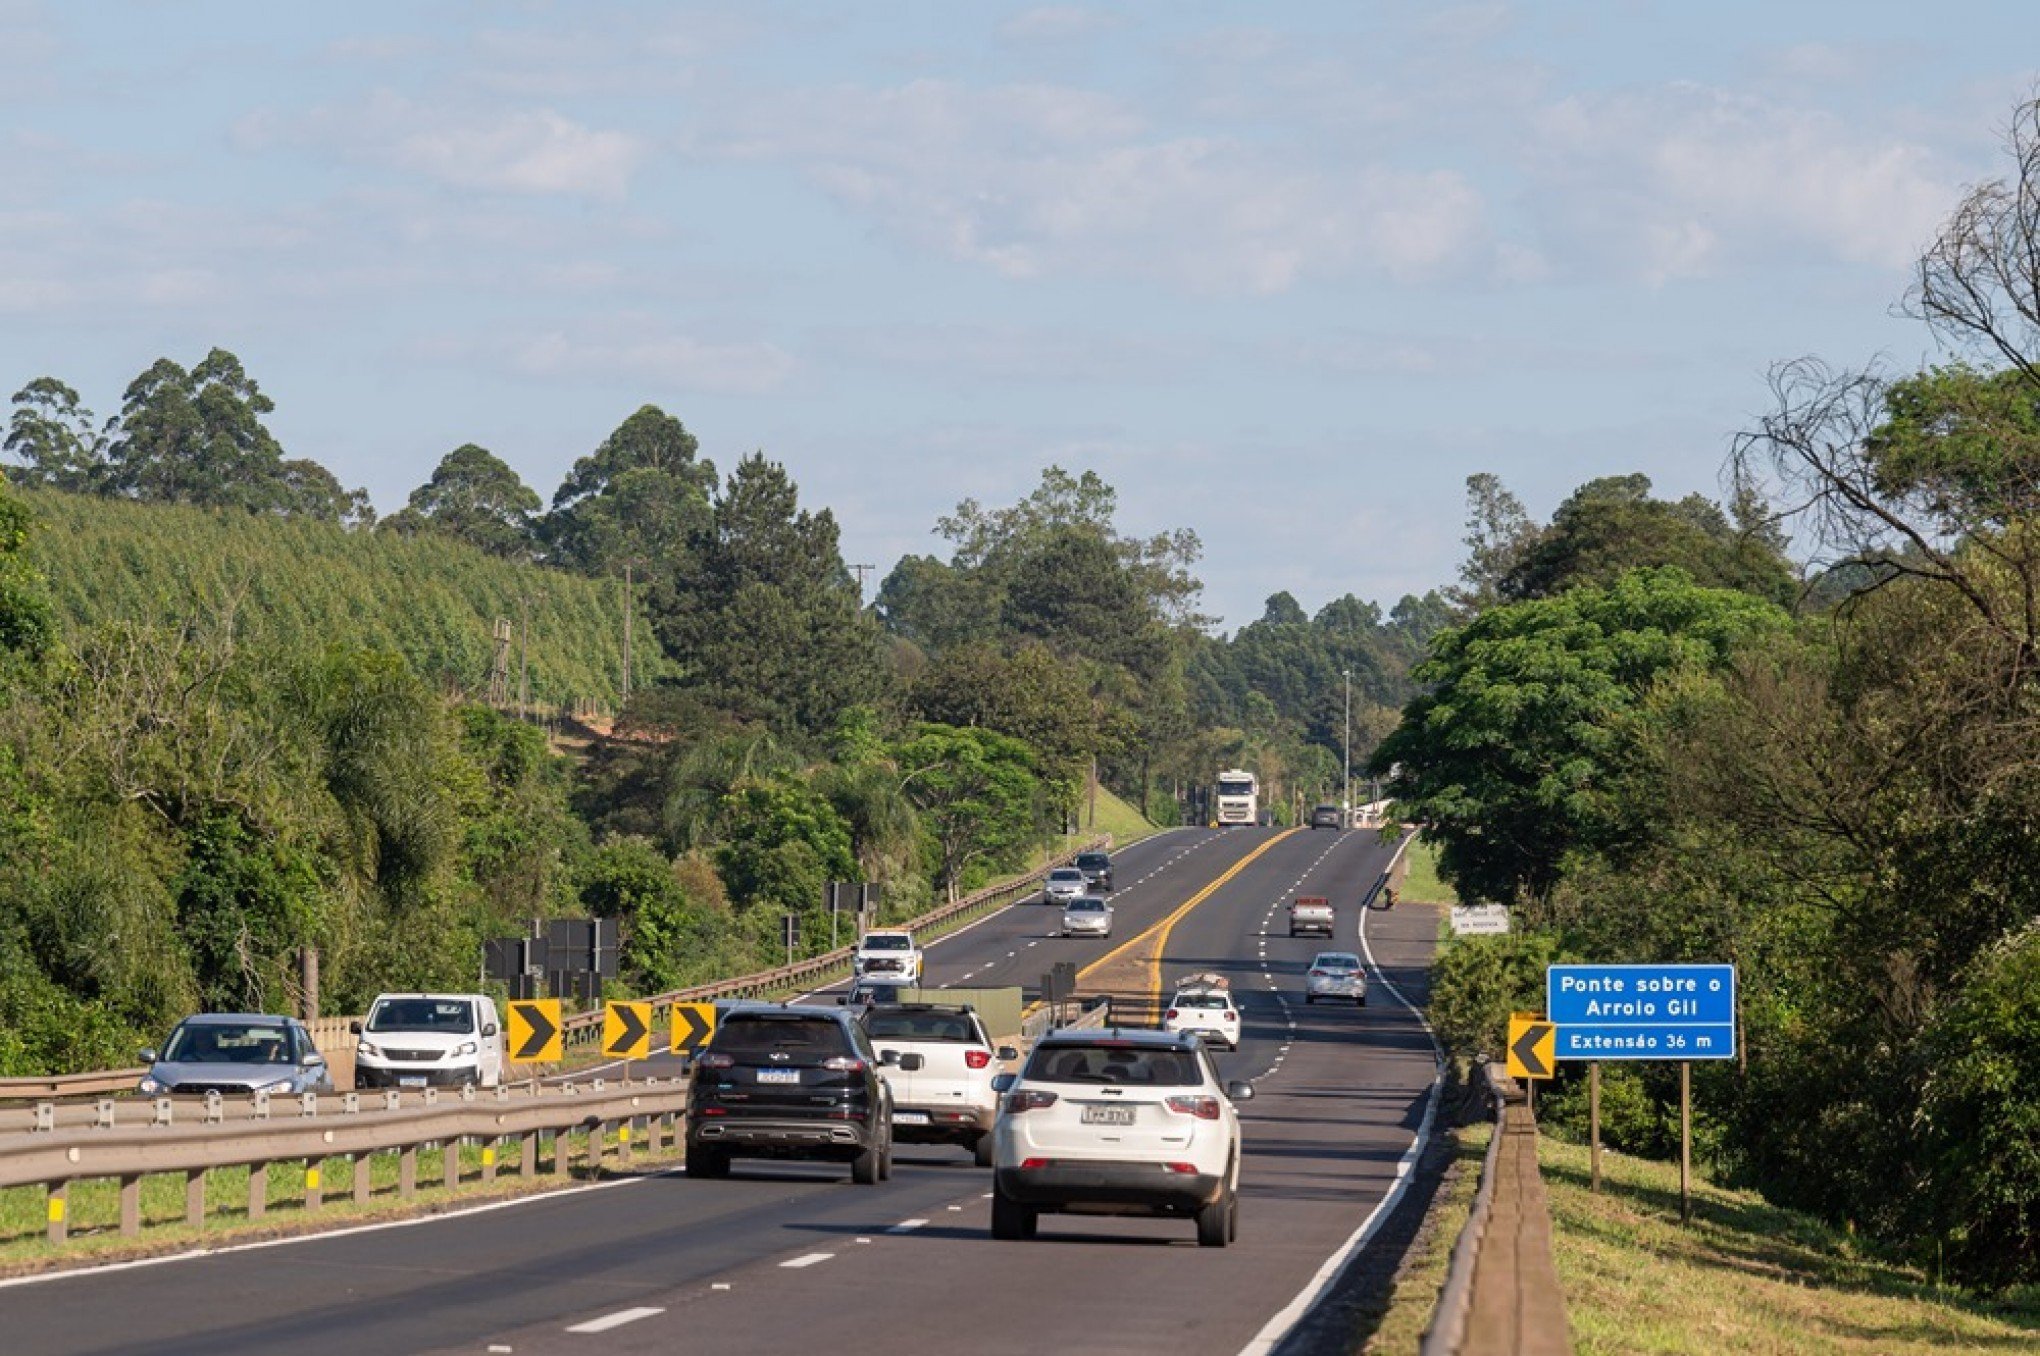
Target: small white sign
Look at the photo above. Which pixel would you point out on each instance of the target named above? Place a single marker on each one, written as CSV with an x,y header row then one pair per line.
x,y
1480,920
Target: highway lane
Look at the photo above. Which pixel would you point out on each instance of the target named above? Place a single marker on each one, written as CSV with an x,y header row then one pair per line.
x,y
1340,1094
449,1280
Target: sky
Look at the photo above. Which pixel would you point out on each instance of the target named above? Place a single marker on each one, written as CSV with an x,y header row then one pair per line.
x,y
1282,273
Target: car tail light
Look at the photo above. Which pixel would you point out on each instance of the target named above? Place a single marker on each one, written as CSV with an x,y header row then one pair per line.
x,y
844,1064
1027,1099
1187,1169
1320,974
714,1062
1231,1016
1031,1164
1203,1108
1170,1015
977,1059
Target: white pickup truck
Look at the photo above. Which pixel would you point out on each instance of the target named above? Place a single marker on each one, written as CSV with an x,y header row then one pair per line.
x,y
888,954
948,1099
1311,913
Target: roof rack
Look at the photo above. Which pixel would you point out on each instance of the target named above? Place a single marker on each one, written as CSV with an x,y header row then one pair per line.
x,y
1204,979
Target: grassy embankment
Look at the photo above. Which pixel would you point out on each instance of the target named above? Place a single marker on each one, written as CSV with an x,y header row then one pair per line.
x,y
1421,884
1746,1276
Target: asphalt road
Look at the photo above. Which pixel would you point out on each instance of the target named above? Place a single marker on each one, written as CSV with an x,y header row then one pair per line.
x,y
787,1257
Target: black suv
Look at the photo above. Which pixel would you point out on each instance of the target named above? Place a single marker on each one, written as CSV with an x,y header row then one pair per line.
x,y
1097,869
788,1082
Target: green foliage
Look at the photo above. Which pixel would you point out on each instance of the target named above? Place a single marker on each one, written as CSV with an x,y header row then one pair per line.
x,y
1476,982
639,500
782,843
1513,756
51,433
977,795
299,584
473,497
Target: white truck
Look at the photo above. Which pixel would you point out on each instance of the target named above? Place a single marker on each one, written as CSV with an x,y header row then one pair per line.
x,y
948,1098
888,953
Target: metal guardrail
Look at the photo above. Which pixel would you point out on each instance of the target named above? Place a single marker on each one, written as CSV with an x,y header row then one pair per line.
x,y
310,1130
1501,1295
586,1028
94,1084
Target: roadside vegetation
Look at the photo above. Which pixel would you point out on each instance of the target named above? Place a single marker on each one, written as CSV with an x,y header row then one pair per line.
x,y
1655,743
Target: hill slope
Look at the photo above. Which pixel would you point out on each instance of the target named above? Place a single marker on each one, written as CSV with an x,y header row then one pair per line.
x,y
294,582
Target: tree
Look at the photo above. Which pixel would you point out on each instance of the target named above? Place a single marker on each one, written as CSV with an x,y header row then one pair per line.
x,y
782,843
197,437
976,793
52,435
1498,533
1612,525
475,497
1022,691
636,501
769,623
28,626
1512,755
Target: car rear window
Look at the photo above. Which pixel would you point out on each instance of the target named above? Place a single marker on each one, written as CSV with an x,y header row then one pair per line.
x,y
919,1026
739,1035
1113,1064
1199,1000
1066,873
1333,960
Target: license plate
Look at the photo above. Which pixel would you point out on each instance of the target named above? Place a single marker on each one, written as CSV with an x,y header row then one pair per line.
x,y
779,1075
1108,1115
408,1082
910,1118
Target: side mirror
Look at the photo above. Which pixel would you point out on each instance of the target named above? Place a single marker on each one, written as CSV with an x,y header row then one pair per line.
x,y
489,1030
912,1062
1240,1091
1007,1052
314,1060
1004,1082
147,1054
890,1058
842,1000
355,1026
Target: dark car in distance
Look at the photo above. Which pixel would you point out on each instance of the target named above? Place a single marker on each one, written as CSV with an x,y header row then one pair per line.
x,y
1097,869
789,1082
1326,817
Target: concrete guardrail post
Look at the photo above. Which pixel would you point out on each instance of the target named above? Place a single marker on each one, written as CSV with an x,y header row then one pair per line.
x,y
258,1190
59,1227
194,1198
130,1204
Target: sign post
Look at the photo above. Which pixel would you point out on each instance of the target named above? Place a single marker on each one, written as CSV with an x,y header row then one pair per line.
x,y
1682,1012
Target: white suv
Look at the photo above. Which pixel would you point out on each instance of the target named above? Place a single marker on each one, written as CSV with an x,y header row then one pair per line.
x,y
1203,1006
1118,1123
888,954
947,1098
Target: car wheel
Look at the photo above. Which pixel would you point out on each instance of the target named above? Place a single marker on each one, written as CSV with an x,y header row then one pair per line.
x,y
885,1163
981,1152
702,1162
1012,1221
1214,1221
864,1168
1232,1219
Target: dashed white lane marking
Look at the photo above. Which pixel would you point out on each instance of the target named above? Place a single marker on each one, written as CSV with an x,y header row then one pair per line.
x,y
615,1320
906,1226
956,1207
498,1346
719,1285
807,1260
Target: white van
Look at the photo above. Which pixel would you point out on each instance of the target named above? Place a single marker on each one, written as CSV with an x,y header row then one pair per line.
x,y
420,1040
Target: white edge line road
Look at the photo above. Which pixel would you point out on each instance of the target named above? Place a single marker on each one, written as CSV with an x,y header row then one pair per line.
x,y
1278,1327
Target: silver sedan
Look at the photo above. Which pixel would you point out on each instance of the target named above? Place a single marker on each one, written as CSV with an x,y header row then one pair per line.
x,y
1087,917
1336,974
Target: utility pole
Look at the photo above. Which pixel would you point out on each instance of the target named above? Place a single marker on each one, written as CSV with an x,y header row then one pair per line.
x,y
629,607
1346,804
524,660
861,571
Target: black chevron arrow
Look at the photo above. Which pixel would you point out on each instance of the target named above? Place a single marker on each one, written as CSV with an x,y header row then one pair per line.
x,y
538,1037
1525,1049
634,1031
697,1031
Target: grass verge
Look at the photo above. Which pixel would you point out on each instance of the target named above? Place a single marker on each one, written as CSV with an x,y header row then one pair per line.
x,y
1414,1296
1422,885
94,1206
1746,1276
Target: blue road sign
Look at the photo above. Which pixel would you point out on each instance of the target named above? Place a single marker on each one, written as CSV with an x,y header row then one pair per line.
x,y
1642,1011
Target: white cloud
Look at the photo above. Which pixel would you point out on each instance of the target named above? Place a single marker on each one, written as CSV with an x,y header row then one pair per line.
x,y
1034,180
527,151
634,349
1679,181
1054,23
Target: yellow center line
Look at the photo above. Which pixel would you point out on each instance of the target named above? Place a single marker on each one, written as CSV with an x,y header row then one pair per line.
x,y
1162,929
